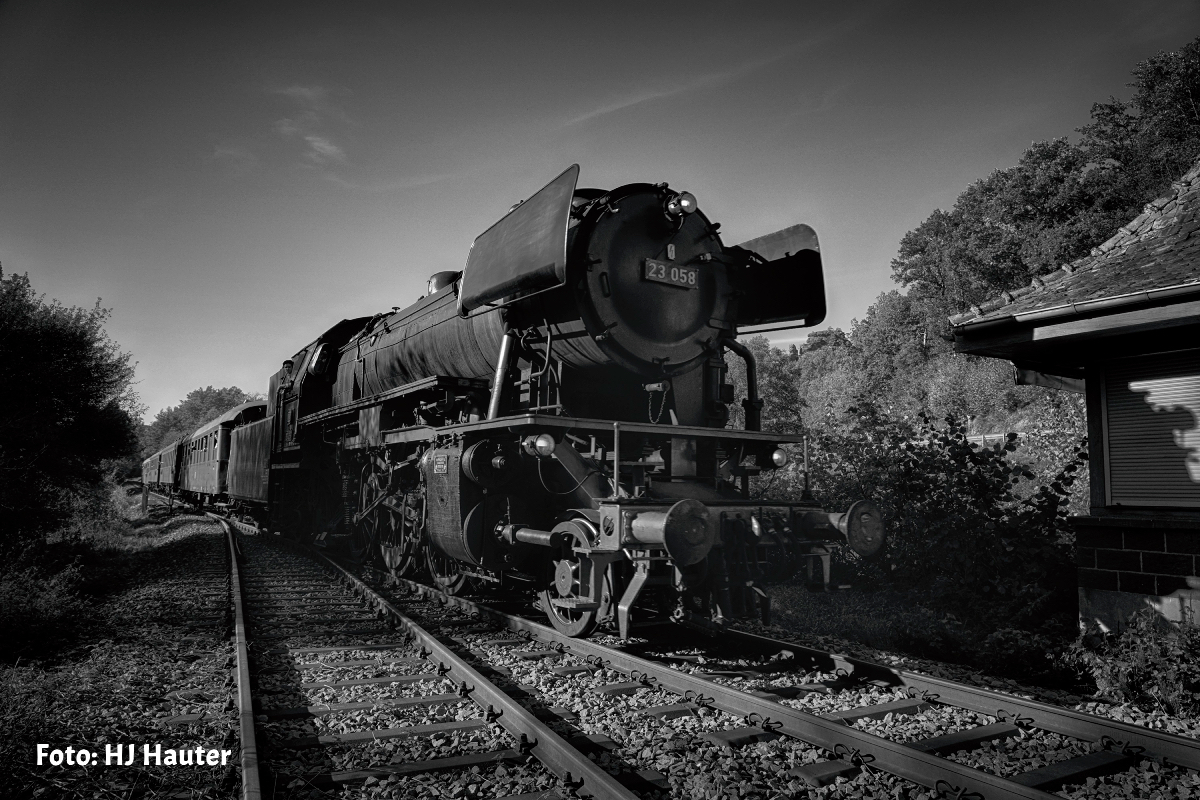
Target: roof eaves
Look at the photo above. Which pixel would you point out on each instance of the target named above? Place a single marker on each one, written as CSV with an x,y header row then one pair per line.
x,y
1150,220
1081,308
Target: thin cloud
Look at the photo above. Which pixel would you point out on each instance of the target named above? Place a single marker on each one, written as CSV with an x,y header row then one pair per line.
x,y
625,102
308,95
239,159
322,151
384,187
700,82
311,124
722,76
286,127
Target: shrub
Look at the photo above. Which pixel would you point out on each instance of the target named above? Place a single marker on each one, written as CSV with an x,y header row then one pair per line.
x,y
46,589
1026,657
39,611
28,697
1151,663
969,528
67,407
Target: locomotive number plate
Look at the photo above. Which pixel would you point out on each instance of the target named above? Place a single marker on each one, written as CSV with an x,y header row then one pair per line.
x,y
673,274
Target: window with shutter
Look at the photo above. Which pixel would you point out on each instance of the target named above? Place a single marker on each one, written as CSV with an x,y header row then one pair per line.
x,y
1152,430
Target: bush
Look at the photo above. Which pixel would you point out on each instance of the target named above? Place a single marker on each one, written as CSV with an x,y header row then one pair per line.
x,y
39,611
47,588
1027,657
971,531
67,408
1151,663
28,696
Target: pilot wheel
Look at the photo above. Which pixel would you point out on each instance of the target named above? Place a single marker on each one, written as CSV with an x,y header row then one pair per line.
x,y
565,598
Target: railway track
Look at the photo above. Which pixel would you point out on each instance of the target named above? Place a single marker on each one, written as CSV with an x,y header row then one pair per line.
x,y
985,744
337,687
678,714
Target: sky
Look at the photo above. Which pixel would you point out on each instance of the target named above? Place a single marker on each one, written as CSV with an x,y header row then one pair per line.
x,y
231,179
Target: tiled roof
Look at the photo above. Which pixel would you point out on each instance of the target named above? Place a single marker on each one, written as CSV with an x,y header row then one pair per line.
x,y
1157,250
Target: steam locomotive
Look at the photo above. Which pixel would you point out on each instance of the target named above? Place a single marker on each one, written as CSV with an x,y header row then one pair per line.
x,y
551,421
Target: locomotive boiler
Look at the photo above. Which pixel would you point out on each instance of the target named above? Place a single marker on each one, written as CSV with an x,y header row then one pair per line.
x,y
553,420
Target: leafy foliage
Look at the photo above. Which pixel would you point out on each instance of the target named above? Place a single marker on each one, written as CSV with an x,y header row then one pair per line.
x,y
1062,198
38,610
67,409
1150,663
980,530
959,531
977,532
1153,137
200,406
777,386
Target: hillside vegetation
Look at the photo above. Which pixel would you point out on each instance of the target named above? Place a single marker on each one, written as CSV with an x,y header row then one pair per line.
x,y
978,534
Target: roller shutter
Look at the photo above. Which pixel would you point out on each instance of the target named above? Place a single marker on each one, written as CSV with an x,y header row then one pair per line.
x,y
1152,427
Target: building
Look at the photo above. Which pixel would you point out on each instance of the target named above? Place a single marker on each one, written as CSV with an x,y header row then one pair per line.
x,y
1123,325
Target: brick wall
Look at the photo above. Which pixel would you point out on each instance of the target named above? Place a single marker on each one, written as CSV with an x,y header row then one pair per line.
x,y
1141,555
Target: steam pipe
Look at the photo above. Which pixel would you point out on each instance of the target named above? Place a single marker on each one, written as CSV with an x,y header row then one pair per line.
x,y
753,404
616,479
501,370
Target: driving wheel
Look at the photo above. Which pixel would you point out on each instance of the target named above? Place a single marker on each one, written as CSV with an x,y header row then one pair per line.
x,y
400,533
446,571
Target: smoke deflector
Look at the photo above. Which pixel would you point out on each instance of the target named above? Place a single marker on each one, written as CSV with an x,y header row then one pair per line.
x,y
525,252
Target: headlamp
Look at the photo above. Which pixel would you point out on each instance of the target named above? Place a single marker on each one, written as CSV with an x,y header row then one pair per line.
x,y
541,445
681,205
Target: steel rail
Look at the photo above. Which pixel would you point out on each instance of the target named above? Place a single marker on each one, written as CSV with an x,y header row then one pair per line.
x,y
251,778
1068,722
1155,745
565,761
940,774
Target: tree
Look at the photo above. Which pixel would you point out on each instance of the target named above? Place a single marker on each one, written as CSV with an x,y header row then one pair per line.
x,y
777,387
1017,223
1061,199
200,406
68,406
1155,136
895,341
829,371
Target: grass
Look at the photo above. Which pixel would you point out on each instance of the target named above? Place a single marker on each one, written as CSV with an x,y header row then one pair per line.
x,y
72,624
49,594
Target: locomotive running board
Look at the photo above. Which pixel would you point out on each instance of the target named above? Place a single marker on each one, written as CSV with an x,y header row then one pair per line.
x,y
519,423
